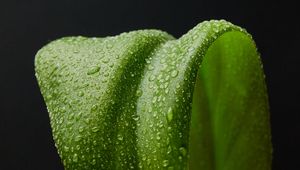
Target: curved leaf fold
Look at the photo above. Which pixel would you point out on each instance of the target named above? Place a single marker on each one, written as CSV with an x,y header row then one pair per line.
x,y
145,100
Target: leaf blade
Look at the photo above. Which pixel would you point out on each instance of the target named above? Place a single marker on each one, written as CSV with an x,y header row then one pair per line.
x,y
126,101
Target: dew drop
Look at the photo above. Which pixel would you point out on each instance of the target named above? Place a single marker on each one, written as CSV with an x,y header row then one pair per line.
x,y
93,70
66,149
174,73
105,60
169,150
95,129
80,129
154,99
94,108
165,163
183,151
120,137
170,114
78,138
150,67
109,46
94,162
151,78
144,157
136,118
139,93
81,93
106,74
75,157
163,60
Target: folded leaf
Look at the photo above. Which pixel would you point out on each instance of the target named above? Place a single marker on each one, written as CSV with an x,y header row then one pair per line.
x,y
144,100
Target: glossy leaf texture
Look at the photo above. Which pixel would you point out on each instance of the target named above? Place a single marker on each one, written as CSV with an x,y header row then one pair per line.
x,y
145,100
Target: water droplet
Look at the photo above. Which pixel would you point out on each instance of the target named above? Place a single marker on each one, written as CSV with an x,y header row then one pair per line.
x,y
150,67
66,149
81,93
163,60
151,78
61,120
75,157
106,74
109,46
120,137
111,64
174,73
147,61
136,117
94,162
139,93
159,77
80,129
49,96
169,150
165,163
78,138
95,129
93,70
170,114
94,108
183,151
154,99
105,60
195,37
191,49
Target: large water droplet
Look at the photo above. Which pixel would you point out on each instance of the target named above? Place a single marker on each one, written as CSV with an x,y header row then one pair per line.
x,y
174,73
93,70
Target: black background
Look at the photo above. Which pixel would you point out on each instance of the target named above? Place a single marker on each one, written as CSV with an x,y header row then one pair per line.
x,y
25,26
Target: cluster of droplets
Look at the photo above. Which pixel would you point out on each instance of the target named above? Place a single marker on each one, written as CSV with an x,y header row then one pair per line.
x,y
82,73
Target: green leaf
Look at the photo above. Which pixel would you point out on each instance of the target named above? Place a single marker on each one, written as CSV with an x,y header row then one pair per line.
x,y
144,100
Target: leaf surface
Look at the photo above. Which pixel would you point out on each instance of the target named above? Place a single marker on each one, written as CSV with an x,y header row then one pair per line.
x,y
145,100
